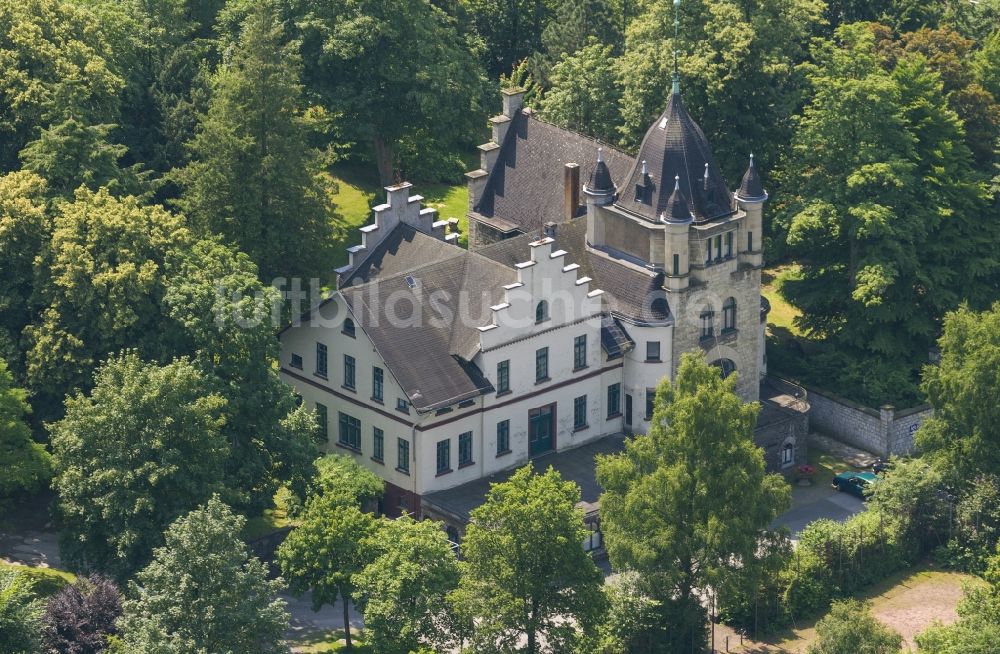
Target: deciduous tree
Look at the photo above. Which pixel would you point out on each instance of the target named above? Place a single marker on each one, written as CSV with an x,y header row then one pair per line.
x,y
850,627
963,435
143,448
80,617
525,574
204,592
403,591
322,554
688,505
27,467
585,93
20,614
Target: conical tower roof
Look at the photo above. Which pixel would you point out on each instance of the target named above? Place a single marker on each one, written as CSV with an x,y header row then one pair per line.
x,y
677,209
675,147
751,189
600,180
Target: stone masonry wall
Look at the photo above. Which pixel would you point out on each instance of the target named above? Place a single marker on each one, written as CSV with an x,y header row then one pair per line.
x,y
882,431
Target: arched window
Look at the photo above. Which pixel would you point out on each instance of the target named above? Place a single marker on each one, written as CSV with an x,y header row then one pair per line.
x,y
542,311
348,327
726,367
707,320
729,315
788,454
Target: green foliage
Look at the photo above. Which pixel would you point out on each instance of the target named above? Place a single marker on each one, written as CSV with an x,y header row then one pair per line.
x,y
102,290
342,480
881,198
741,76
322,555
25,228
630,624
45,582
20,614
511,31
975,533
71,154
361,57
574,25
525,575
203,592
585,92
55,66
850,627
27,467
978,627
143,448
963,435
253,177
227,318
687,505
402,591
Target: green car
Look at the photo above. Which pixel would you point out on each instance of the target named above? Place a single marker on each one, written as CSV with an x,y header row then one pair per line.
x,y
854,483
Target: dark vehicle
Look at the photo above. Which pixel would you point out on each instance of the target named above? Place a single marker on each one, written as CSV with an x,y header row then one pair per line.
x,y
881,465
854,483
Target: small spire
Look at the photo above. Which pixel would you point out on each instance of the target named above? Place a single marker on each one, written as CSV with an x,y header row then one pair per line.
x,y
677,210
751,160
677,33
677,182
600,155
705,182
644,167
751,189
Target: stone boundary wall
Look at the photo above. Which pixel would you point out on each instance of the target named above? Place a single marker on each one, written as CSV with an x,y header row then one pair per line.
x,y
884,431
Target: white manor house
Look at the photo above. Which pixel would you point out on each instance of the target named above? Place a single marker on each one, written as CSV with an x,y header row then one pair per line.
x,y
589,272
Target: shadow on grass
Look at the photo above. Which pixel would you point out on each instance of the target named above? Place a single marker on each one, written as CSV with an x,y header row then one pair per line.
x,y
327,642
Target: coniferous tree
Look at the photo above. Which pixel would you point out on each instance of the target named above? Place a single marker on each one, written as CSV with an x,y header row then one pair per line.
x,y
254,177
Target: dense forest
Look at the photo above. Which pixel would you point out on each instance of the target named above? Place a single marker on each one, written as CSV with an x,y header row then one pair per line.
x,y
165,172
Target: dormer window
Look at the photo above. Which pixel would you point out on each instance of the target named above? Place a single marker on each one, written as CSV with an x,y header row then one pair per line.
x,y
542,311
348,327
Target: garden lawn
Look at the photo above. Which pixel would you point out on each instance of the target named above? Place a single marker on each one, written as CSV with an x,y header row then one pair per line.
x,y
782,314
355,190
327,642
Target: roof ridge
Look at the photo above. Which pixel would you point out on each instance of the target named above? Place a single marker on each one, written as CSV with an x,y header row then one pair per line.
x,y
531,115
460,251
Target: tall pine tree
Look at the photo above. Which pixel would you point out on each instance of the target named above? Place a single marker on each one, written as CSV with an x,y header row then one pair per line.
x,y
253,178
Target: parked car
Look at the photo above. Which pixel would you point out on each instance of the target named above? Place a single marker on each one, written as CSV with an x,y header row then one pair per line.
x,y
854,483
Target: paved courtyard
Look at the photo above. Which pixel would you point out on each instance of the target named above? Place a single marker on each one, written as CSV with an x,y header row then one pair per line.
x,y
834,506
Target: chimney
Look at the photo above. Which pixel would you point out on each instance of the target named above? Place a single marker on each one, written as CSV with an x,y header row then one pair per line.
x,y
549,229
571,191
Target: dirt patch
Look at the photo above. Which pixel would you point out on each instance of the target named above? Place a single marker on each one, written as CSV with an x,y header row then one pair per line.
x,y
909,603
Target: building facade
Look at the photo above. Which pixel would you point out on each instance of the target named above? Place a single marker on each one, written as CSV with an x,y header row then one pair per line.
x,y
589,272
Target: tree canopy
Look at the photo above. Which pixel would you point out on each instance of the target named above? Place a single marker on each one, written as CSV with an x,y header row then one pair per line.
x,y
687,505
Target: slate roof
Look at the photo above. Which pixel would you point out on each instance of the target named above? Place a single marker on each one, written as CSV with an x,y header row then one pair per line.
x,y
525,188
404,249
677,210
751,188
629,291
578,464
600,178
428,346
675,146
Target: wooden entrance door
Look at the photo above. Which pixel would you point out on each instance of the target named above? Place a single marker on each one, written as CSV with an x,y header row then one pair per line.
x,y
541,430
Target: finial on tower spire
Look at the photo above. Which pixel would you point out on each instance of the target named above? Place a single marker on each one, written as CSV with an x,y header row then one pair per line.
x,y
677,34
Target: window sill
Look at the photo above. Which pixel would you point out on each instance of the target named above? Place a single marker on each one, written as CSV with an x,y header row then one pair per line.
x,y
466,465
355,450
406,411
403,471
612,416
581,428
377,400
353,389
502,393
503,453
579,368
442,473
381,462
321,376
294,367
543,380
346,333
653,361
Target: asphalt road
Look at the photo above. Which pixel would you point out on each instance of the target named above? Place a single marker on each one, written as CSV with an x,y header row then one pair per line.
x,y
835,506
